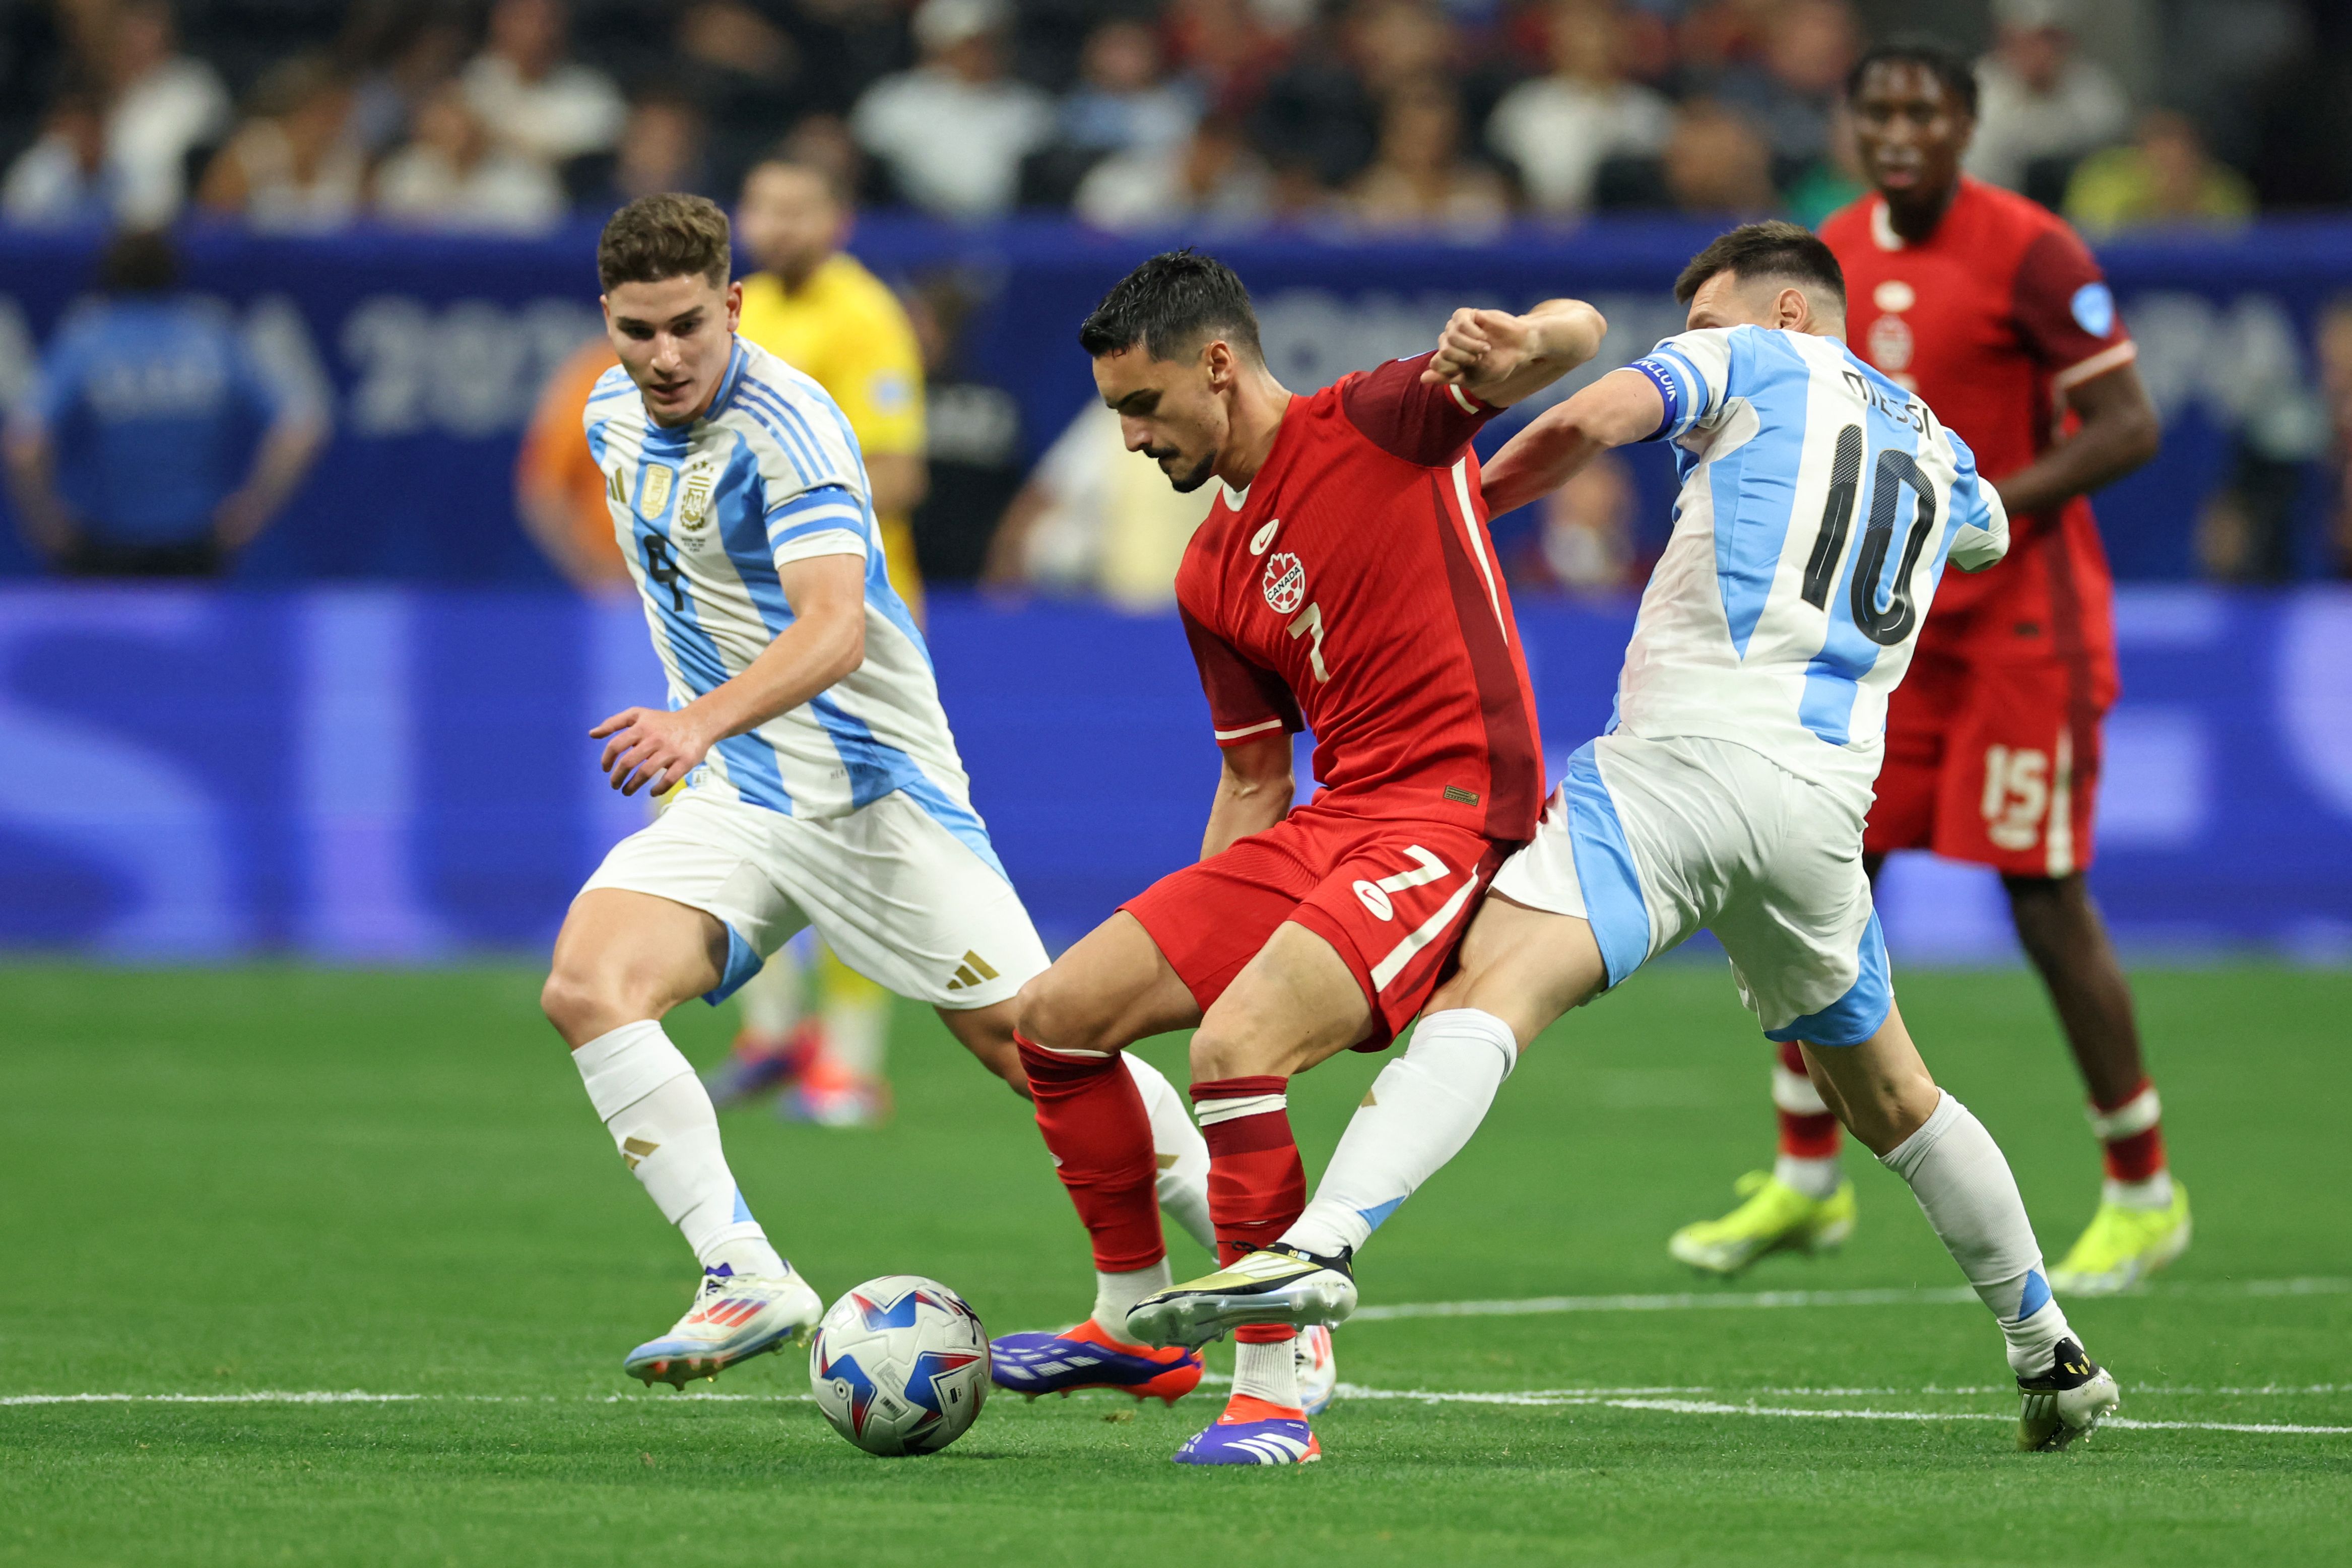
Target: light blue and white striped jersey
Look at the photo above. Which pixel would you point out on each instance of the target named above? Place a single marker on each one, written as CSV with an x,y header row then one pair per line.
x,y
1819,503
706,514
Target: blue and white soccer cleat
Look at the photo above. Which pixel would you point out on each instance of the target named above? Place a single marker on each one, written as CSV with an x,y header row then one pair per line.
x,y
1318,1369
1086,1357
734,1318
1253,1432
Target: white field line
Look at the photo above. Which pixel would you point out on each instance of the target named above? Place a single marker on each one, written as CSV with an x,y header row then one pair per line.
x,y
1790,1411
1646,1399
1704,1301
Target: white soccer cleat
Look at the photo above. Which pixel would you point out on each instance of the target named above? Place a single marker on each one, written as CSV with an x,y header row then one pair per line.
x,y
2067,1402
1318,1369
1275,1285
734,1318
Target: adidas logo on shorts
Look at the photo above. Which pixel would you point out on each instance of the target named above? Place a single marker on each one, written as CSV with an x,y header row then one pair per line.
x,y
971,972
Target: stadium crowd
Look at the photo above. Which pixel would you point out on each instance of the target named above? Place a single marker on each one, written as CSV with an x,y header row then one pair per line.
x,y
1449,115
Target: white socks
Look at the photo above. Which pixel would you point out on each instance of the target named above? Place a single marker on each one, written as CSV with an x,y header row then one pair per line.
x,y
661,1119
1116,1293
1183,1157
1969,1196
1817,1179
772,998
1421,1111
1267,1371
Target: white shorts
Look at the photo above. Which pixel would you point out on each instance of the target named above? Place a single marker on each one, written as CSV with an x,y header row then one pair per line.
x,y
915,904
1650,840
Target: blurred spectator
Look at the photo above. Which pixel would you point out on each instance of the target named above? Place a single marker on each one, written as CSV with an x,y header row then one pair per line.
x,y
1225,48
745,75
661,149
1584,540
817,308
1121,102
1419,179
954,129
2040,100
2334,345
1830,182
413,53
64,178
532,98
131,456
1557,129
295,162
453,176
1092,518
1320,120
972,442
2164,178
1211,179
1714,165
559,488
163,106
1792,89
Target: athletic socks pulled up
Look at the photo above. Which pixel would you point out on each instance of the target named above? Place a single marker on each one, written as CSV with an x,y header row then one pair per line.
x,y
1177,1151
1093,1118
1256,1187
1965,1188
1421,1110
1810,1133
661,1119
2131,1133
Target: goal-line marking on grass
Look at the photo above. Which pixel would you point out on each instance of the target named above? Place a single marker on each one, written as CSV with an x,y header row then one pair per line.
x,y
1644,1399
1898,1296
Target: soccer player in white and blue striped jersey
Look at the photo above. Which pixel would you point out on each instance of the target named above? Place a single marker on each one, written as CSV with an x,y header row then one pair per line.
x,y
1819,503
817,782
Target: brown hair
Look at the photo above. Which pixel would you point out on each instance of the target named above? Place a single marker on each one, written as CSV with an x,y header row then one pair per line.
x,y
1775,251
665,235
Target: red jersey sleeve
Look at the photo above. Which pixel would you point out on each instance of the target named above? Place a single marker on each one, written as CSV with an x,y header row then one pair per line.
x,y
1398,413
1245,700
2065,313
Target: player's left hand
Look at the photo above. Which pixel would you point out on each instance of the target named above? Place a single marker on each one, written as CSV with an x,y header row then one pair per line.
x,y
650,748
1479,348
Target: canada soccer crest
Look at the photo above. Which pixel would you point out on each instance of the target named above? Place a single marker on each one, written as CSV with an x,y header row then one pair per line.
x,y
1285,581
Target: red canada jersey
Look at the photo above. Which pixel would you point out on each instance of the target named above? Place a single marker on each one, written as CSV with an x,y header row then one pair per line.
x,y
1353,587
1990,319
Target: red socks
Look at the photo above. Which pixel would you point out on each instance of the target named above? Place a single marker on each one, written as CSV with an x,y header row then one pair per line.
x,y
1256,1184
1808,1129
1095,1123
2131,1130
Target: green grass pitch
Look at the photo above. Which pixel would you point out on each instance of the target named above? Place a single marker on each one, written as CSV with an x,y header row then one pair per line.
x,y
274,1179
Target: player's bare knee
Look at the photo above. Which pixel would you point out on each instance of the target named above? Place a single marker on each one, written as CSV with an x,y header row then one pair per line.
x,y
1221,1052
575,1003
1061,1016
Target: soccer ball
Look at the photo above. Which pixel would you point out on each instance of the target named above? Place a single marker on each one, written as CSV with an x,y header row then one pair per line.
x,y
899,1365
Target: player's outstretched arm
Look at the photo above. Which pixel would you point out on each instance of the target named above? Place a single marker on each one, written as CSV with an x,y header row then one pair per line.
x,y
1501,359
1253,792
1623,407
652,748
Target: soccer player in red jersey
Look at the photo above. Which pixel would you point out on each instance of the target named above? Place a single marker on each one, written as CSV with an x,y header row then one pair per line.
x,y
1994,311
1344,584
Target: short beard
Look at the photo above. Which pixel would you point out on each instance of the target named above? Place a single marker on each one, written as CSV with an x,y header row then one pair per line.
x,y
1200,476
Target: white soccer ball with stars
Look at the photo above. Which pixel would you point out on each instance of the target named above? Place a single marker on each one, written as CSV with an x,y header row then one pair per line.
x,y
899,1365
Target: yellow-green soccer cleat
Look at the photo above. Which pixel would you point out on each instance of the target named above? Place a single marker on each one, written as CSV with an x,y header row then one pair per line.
x,y
2067,1402
2122,1247
1278,1285
1776,1217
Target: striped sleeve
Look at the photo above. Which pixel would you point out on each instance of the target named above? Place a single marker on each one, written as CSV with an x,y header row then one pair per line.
x,y
1979,520
1689,372
827,521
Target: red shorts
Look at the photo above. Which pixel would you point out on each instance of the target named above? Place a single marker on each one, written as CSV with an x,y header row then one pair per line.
x,y
1993,762
1392,898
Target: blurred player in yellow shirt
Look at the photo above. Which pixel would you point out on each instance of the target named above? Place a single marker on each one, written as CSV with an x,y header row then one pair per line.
x,y
815,307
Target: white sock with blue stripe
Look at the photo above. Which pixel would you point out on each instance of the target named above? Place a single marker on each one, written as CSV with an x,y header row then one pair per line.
x,y
1421,1111
662,1122
1965,1188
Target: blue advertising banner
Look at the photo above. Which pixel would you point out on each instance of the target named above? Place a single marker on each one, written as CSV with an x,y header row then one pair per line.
x,y
385,774
430,351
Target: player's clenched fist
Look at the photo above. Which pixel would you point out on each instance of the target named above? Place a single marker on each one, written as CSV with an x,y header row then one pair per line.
x,y
650,748
1469,338
1501,358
